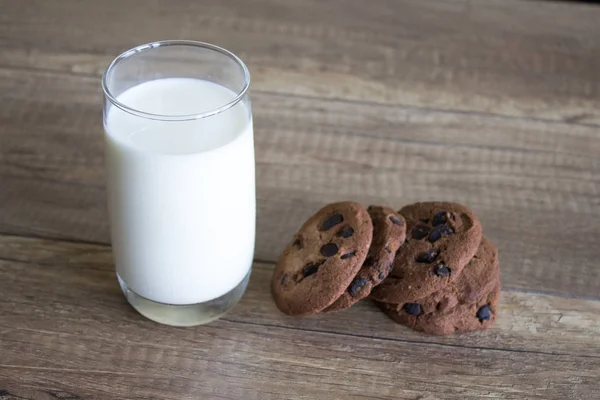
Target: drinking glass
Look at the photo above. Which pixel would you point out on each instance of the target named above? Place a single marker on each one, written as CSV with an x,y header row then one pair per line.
x,y
179,152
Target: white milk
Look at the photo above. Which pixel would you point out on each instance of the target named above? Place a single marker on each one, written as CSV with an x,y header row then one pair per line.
x,y
181,194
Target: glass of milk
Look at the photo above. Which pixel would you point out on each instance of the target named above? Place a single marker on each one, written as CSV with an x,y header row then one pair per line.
x,y
180,179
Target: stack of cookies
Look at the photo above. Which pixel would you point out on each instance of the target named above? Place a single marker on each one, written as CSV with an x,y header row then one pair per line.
x,y
427,266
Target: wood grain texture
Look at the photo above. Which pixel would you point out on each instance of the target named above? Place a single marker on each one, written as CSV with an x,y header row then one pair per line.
x,y
506,57
493,103
77,337
530,322
534,184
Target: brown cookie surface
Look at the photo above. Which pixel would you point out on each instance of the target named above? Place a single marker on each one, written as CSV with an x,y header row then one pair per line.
x,y
480,276
466,317
441,239
389,232
322,259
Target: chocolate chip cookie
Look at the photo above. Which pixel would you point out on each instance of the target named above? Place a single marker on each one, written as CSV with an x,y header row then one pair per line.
x,y
441,239
480,276
323,258
389,232
466,317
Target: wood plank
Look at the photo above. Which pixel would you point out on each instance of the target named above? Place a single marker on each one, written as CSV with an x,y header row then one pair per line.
x,y
529,321
78,338
524,178
232,362
508,57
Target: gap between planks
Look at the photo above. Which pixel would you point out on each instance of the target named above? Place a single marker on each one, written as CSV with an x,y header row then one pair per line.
x,y
419,342
570,121
259,261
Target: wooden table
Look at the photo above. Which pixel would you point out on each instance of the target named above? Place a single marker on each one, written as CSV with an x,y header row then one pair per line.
x,y
494,103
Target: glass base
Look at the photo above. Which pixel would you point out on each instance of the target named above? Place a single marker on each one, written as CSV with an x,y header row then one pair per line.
x,y
188,314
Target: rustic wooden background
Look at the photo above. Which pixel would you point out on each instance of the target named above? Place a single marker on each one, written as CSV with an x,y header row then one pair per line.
x,y
494,103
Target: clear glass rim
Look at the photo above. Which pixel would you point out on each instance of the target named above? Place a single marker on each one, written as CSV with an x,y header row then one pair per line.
x,y
164,43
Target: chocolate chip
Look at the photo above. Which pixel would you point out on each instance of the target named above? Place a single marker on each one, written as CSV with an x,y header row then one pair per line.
x,y
298,242
346,232
382,275
420,231
439,231
440,218
412,308
424,220
442,270
484,313
356,285
310,269
329,249
347,255
396,221
284,279
331,221
428,256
